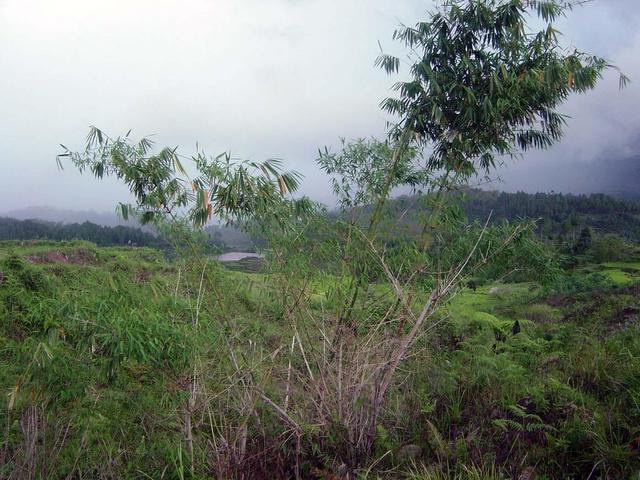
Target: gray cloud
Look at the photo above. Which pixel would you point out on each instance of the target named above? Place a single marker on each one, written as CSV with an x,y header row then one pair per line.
x,y
262,78
604,126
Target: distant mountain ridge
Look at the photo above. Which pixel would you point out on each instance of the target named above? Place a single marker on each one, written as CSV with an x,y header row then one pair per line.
x,y
232,237
558,212
61,215
618,213
615,175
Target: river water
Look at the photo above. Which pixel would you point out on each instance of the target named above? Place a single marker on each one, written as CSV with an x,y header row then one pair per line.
x,y
237,256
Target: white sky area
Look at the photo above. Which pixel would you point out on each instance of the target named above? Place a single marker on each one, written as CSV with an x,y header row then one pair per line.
x,y
259,78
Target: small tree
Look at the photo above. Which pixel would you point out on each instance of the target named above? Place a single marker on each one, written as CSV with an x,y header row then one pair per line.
x,y
179,205
584,241
485,84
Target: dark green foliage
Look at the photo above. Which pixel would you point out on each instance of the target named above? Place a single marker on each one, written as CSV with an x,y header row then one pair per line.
x,y
224,188
610,248
11,229
579,282
564,214
484,83
584,241
559,395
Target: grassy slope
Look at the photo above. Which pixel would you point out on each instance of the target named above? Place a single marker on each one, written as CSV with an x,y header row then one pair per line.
x,y
562,393
92,349
79,337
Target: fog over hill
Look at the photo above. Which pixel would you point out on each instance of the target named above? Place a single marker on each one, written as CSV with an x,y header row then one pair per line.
x,y
68,68
619,178
53,214
615,176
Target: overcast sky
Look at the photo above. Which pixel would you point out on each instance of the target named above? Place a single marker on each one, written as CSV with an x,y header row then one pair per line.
x,y
261,78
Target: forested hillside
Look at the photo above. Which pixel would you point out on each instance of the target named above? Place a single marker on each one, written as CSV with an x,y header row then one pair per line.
x,y
12,229
562,211
556,213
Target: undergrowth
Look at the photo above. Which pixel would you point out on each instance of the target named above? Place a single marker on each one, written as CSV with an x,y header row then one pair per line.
x,y
95,359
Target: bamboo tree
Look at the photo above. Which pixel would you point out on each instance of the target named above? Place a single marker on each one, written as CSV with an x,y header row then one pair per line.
x,y
180,205
484,85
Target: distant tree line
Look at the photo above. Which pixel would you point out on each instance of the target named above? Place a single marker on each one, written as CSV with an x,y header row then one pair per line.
x,y
552,205
559,214
561,218
563,215
12,229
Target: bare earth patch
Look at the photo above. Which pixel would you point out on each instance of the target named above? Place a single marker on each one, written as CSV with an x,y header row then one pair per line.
x,y
142,275
75,257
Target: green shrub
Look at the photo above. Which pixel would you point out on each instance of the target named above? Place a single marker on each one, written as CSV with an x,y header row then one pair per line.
x,y
541,312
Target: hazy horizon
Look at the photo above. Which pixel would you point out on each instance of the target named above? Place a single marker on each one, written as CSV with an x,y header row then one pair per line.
x,y
276,78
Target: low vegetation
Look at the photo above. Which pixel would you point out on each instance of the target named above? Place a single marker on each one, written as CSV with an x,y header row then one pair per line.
x,y
95,356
